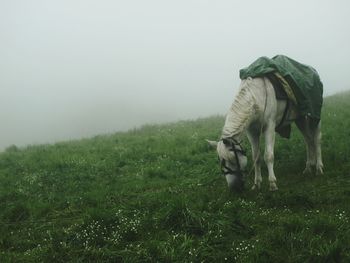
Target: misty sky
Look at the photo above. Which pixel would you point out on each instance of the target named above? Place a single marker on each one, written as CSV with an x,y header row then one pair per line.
x,y
72,69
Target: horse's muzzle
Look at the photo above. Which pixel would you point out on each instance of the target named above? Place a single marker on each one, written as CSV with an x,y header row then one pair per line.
x,y
234,182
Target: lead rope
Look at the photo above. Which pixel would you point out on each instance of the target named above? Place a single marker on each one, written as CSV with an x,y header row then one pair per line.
x,y
261,129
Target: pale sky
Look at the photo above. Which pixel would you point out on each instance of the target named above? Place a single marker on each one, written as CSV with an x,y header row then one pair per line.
x,y
71,69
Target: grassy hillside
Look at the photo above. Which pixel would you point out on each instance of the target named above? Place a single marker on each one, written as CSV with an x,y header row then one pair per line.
x,y
156,194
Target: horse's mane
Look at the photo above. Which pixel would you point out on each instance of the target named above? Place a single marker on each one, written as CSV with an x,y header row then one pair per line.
x,y
241,110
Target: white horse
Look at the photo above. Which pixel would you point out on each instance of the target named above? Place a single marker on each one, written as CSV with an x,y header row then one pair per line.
x,y
256,111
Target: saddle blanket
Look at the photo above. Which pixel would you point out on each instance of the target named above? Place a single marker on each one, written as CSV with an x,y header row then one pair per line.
x,y
301,82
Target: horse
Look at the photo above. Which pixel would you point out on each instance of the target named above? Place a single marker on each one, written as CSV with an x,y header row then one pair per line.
x,y
256,111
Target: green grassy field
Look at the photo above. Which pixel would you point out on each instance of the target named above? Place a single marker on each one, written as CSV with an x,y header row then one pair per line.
x,y
155,194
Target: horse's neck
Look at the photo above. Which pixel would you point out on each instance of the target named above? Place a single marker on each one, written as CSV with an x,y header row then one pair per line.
x,y
240,113
233,128
231,131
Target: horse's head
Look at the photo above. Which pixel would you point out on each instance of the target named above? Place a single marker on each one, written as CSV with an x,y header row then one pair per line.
x,y
233,161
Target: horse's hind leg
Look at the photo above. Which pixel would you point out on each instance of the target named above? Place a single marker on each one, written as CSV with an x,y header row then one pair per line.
x,y
312,138
304,128
317,142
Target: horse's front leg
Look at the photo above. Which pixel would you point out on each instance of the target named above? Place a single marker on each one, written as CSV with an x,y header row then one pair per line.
x,y
254,139
269,154
317,139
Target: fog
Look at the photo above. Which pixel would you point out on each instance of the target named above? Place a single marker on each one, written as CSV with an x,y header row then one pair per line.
x,y
71,69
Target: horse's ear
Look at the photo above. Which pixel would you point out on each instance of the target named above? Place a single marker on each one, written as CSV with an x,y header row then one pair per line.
x,y
212,144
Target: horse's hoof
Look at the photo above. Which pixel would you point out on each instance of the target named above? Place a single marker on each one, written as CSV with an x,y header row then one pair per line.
x,y
256,187
307,170
273,187
319,170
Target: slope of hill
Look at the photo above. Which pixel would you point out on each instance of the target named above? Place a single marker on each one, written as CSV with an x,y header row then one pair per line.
x,y
156,194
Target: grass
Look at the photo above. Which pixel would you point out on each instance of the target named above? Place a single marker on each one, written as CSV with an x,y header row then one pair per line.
x,y
155,194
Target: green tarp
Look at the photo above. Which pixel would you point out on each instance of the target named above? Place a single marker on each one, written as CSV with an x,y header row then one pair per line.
x,y
304,81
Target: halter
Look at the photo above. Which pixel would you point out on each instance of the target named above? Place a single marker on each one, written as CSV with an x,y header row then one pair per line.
x,y
231,143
